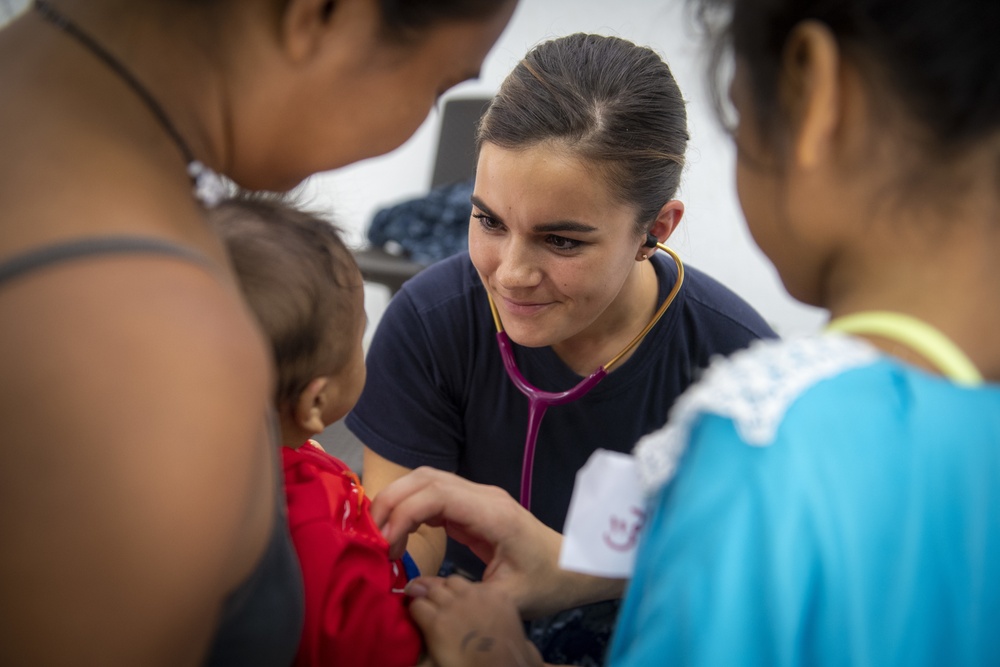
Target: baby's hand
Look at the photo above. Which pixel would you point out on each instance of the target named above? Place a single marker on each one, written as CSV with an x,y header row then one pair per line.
x,y
469,624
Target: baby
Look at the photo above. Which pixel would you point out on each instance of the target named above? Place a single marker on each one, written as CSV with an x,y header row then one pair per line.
x,y
306,291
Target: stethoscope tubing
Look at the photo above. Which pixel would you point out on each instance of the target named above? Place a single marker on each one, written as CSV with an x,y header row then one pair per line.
x,y
539,400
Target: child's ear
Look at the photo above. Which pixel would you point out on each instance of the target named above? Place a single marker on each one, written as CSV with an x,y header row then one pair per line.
x,y
312,401
812,83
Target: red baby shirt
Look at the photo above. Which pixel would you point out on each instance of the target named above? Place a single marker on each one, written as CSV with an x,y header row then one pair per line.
x,y
355,610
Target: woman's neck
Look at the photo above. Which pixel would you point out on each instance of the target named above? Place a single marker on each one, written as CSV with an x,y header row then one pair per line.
x,y
183,89
108,148
953,284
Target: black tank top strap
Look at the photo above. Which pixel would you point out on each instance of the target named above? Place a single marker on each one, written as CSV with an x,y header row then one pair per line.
x,y
84,248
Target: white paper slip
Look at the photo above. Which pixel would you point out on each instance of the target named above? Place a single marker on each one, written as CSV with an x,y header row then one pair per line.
x,y
605,516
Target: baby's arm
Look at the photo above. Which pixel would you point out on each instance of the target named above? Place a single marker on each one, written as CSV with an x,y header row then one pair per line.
x,y
353,613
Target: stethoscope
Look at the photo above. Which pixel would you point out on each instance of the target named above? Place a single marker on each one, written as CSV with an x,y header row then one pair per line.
x,y
539,401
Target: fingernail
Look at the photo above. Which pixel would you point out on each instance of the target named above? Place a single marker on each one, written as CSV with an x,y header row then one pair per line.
x,y
415,589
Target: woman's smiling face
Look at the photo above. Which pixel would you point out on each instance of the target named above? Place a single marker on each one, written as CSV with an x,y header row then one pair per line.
x,y
553,247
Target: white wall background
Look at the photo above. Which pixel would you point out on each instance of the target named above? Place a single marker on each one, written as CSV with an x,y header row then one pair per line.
x,y
712,235
9,8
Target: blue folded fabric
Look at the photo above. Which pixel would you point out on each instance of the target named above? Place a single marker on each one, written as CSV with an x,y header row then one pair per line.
x,y
428,228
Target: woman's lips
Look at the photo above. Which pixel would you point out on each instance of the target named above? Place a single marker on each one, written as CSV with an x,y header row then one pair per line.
x,y
522,308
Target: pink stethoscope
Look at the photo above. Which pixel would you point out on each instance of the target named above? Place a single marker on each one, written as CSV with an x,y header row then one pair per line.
x,y
539,401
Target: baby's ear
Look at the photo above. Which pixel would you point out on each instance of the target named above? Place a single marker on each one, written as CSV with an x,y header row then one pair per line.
x,y
309,408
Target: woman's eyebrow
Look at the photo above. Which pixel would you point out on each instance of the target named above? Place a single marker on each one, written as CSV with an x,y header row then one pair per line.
x,y
565,226
544,228
478,203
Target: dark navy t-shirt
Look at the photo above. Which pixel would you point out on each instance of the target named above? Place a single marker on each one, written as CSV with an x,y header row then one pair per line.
x,y
437,393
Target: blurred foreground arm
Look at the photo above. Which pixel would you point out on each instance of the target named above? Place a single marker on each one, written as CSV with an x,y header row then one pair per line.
x,y
138,477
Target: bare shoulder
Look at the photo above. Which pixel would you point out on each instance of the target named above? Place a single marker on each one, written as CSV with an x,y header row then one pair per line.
x,y
137,477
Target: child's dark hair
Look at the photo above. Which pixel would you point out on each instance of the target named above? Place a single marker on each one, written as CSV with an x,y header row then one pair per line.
x,y
939,59
298,278
613,103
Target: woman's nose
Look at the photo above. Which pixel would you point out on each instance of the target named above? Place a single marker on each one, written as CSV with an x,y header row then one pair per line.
x,y
518,266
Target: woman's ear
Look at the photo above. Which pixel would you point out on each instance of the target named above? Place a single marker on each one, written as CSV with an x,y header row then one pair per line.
x,y
304,25
811,90
310,406
666,222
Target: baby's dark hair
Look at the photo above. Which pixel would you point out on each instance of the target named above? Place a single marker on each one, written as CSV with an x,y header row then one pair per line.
x,y
938,59
298,278
613,103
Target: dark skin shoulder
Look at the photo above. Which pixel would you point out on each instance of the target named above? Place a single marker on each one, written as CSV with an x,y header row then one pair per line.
x,y
137,488
137,483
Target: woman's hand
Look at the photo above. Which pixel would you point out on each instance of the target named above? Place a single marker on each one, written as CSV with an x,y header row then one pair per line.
x,y
428,543
521,553
469,625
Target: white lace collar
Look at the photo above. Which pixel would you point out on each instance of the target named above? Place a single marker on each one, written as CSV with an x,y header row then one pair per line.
x,y
754,388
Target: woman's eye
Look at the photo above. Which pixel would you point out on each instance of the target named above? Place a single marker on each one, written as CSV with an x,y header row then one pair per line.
x,y
486,221
563,243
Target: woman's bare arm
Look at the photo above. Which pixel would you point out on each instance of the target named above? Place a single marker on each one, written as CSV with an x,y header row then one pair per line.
x,y
137,480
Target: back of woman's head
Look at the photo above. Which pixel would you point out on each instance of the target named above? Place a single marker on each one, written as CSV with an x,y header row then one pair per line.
x,y
406,17
938,60
606,100
300,281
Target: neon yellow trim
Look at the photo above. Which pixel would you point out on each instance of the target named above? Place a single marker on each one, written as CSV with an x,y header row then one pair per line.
x,y
918,336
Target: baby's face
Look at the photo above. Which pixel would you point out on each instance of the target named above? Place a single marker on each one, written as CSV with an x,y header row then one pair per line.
x,y
350,380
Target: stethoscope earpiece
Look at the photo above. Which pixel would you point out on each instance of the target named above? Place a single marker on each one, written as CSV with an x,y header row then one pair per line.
x,y
651,241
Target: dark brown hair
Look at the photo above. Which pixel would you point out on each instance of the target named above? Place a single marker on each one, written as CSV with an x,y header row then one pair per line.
x,y
938,59
298,278
410,18
611,102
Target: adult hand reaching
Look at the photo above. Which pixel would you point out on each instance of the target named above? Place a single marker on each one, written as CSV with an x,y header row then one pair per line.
x,y
468,624
521,553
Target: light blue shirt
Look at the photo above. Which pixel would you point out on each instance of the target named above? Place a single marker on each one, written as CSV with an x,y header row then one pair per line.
x,y
866,531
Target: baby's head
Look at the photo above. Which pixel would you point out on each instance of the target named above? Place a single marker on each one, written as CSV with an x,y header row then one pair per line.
x,y
304,287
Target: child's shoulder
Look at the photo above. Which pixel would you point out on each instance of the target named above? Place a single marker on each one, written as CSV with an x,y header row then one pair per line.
x,y
311,453
318,486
